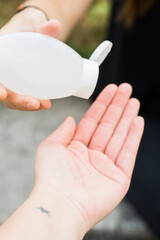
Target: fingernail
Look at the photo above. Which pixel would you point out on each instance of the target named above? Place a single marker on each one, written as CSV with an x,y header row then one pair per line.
x,y
30,107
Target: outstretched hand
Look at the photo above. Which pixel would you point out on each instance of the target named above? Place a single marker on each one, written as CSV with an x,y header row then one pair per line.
x,y
22,23
91,165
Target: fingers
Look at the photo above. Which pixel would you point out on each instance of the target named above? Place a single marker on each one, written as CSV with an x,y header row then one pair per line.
x,y
64,133
111,118
121,132
45,104
51,28
89,122
127,156
3,93
24,103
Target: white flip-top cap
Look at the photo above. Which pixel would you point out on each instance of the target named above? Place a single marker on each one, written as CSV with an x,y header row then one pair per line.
x,y
101,52
91,70
88,80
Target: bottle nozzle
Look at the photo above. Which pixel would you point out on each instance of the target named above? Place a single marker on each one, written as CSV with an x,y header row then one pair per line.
x,y
101,52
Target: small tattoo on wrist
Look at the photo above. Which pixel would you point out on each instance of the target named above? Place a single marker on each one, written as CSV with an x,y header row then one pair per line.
x,y
45,211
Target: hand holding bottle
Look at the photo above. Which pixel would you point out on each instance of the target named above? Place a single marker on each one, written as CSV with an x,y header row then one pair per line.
x,y
33,64
30,20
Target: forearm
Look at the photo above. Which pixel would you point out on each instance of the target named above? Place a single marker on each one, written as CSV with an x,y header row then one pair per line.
x,y
25,21
68,12
43,216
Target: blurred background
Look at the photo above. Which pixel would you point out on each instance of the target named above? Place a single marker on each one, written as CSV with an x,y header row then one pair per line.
x,y
21,132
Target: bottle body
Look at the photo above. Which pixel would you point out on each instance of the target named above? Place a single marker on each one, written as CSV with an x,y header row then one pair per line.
x,y
32,64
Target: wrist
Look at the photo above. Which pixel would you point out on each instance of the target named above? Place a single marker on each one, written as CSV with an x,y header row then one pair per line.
x,y
24,7
46,5
65,219
25,21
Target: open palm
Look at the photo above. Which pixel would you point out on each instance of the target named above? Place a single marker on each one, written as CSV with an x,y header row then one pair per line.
x,y
91,164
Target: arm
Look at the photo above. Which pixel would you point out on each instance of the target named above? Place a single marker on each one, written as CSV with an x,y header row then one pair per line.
x,y
45,215
68,12
81,173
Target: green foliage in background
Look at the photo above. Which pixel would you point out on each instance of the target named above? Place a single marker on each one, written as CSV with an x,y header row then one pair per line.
x,y
7,9
92,30
87,35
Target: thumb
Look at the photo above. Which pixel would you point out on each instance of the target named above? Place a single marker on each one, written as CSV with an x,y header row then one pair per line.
x,y
64,133
51,28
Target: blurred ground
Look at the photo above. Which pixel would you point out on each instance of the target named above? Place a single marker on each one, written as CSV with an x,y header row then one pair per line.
x,y
20,134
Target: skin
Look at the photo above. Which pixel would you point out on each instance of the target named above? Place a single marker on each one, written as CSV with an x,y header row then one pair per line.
x,y
81,172
68,13
51,28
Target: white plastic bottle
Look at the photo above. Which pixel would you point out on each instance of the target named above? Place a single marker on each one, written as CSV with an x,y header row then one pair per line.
x,y
36,65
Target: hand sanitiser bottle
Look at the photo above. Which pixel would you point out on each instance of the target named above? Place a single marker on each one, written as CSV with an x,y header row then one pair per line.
x,y
36,65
